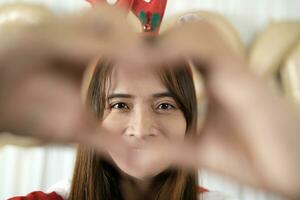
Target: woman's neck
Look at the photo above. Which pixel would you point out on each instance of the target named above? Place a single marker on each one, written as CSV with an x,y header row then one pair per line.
x,y
133,188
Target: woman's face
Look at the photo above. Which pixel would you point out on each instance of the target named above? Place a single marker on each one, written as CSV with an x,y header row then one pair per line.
x,y
142,111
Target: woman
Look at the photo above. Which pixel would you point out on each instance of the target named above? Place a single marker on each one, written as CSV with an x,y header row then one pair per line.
x,y
144,108
148,107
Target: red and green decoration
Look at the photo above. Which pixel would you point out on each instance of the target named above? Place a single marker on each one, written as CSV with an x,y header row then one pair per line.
x,y
149,13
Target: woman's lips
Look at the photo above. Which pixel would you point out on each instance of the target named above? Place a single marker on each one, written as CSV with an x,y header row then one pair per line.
x,y
136,147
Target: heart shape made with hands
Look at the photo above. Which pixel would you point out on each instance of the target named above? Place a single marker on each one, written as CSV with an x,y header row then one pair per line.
x,y
220,149
220,48
40,16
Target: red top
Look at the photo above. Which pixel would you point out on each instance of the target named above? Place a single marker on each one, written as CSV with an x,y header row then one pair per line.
x,y
39,196
53,196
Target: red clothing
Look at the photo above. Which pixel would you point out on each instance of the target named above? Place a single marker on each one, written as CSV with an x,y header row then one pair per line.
x,y
201,190
39,196
53,196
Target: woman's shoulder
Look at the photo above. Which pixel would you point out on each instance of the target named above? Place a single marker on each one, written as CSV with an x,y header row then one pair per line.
x,y
38,195
59,191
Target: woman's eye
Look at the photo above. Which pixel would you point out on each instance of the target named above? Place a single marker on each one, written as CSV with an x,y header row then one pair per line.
x,y
119,106
165,106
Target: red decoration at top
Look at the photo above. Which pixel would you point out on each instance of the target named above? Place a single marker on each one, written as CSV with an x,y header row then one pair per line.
x,y
150,13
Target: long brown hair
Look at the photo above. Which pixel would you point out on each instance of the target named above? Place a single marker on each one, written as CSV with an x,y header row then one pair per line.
x,y
96,179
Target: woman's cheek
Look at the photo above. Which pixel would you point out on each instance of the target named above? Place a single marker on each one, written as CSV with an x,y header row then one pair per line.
x,y
114,122
173,126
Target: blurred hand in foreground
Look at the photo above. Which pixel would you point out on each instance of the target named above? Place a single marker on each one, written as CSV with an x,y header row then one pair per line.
x,y
41,70
251,133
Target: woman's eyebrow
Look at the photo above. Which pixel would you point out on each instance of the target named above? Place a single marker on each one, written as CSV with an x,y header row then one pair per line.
x,y
163,94
119,95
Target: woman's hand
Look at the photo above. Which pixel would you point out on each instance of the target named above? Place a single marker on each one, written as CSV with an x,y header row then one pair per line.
x,y
250,132
41,70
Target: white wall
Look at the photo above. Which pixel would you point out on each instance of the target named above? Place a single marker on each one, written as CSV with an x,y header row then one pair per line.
x,y
27,169
23,170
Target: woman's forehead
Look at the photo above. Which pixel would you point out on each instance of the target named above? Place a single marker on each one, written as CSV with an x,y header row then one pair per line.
x,y
136,81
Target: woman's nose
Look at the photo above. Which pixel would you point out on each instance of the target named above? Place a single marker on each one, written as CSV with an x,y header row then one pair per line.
x,y
141,124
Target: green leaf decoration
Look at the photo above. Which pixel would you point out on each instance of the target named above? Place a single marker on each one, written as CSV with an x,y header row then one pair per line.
x,y
143,17
155,20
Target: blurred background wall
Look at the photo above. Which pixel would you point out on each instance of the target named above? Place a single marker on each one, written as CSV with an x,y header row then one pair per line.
x,y
23,170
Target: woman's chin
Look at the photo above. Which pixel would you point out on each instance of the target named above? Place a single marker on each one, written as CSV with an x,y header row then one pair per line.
x,y
135,165
134,170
